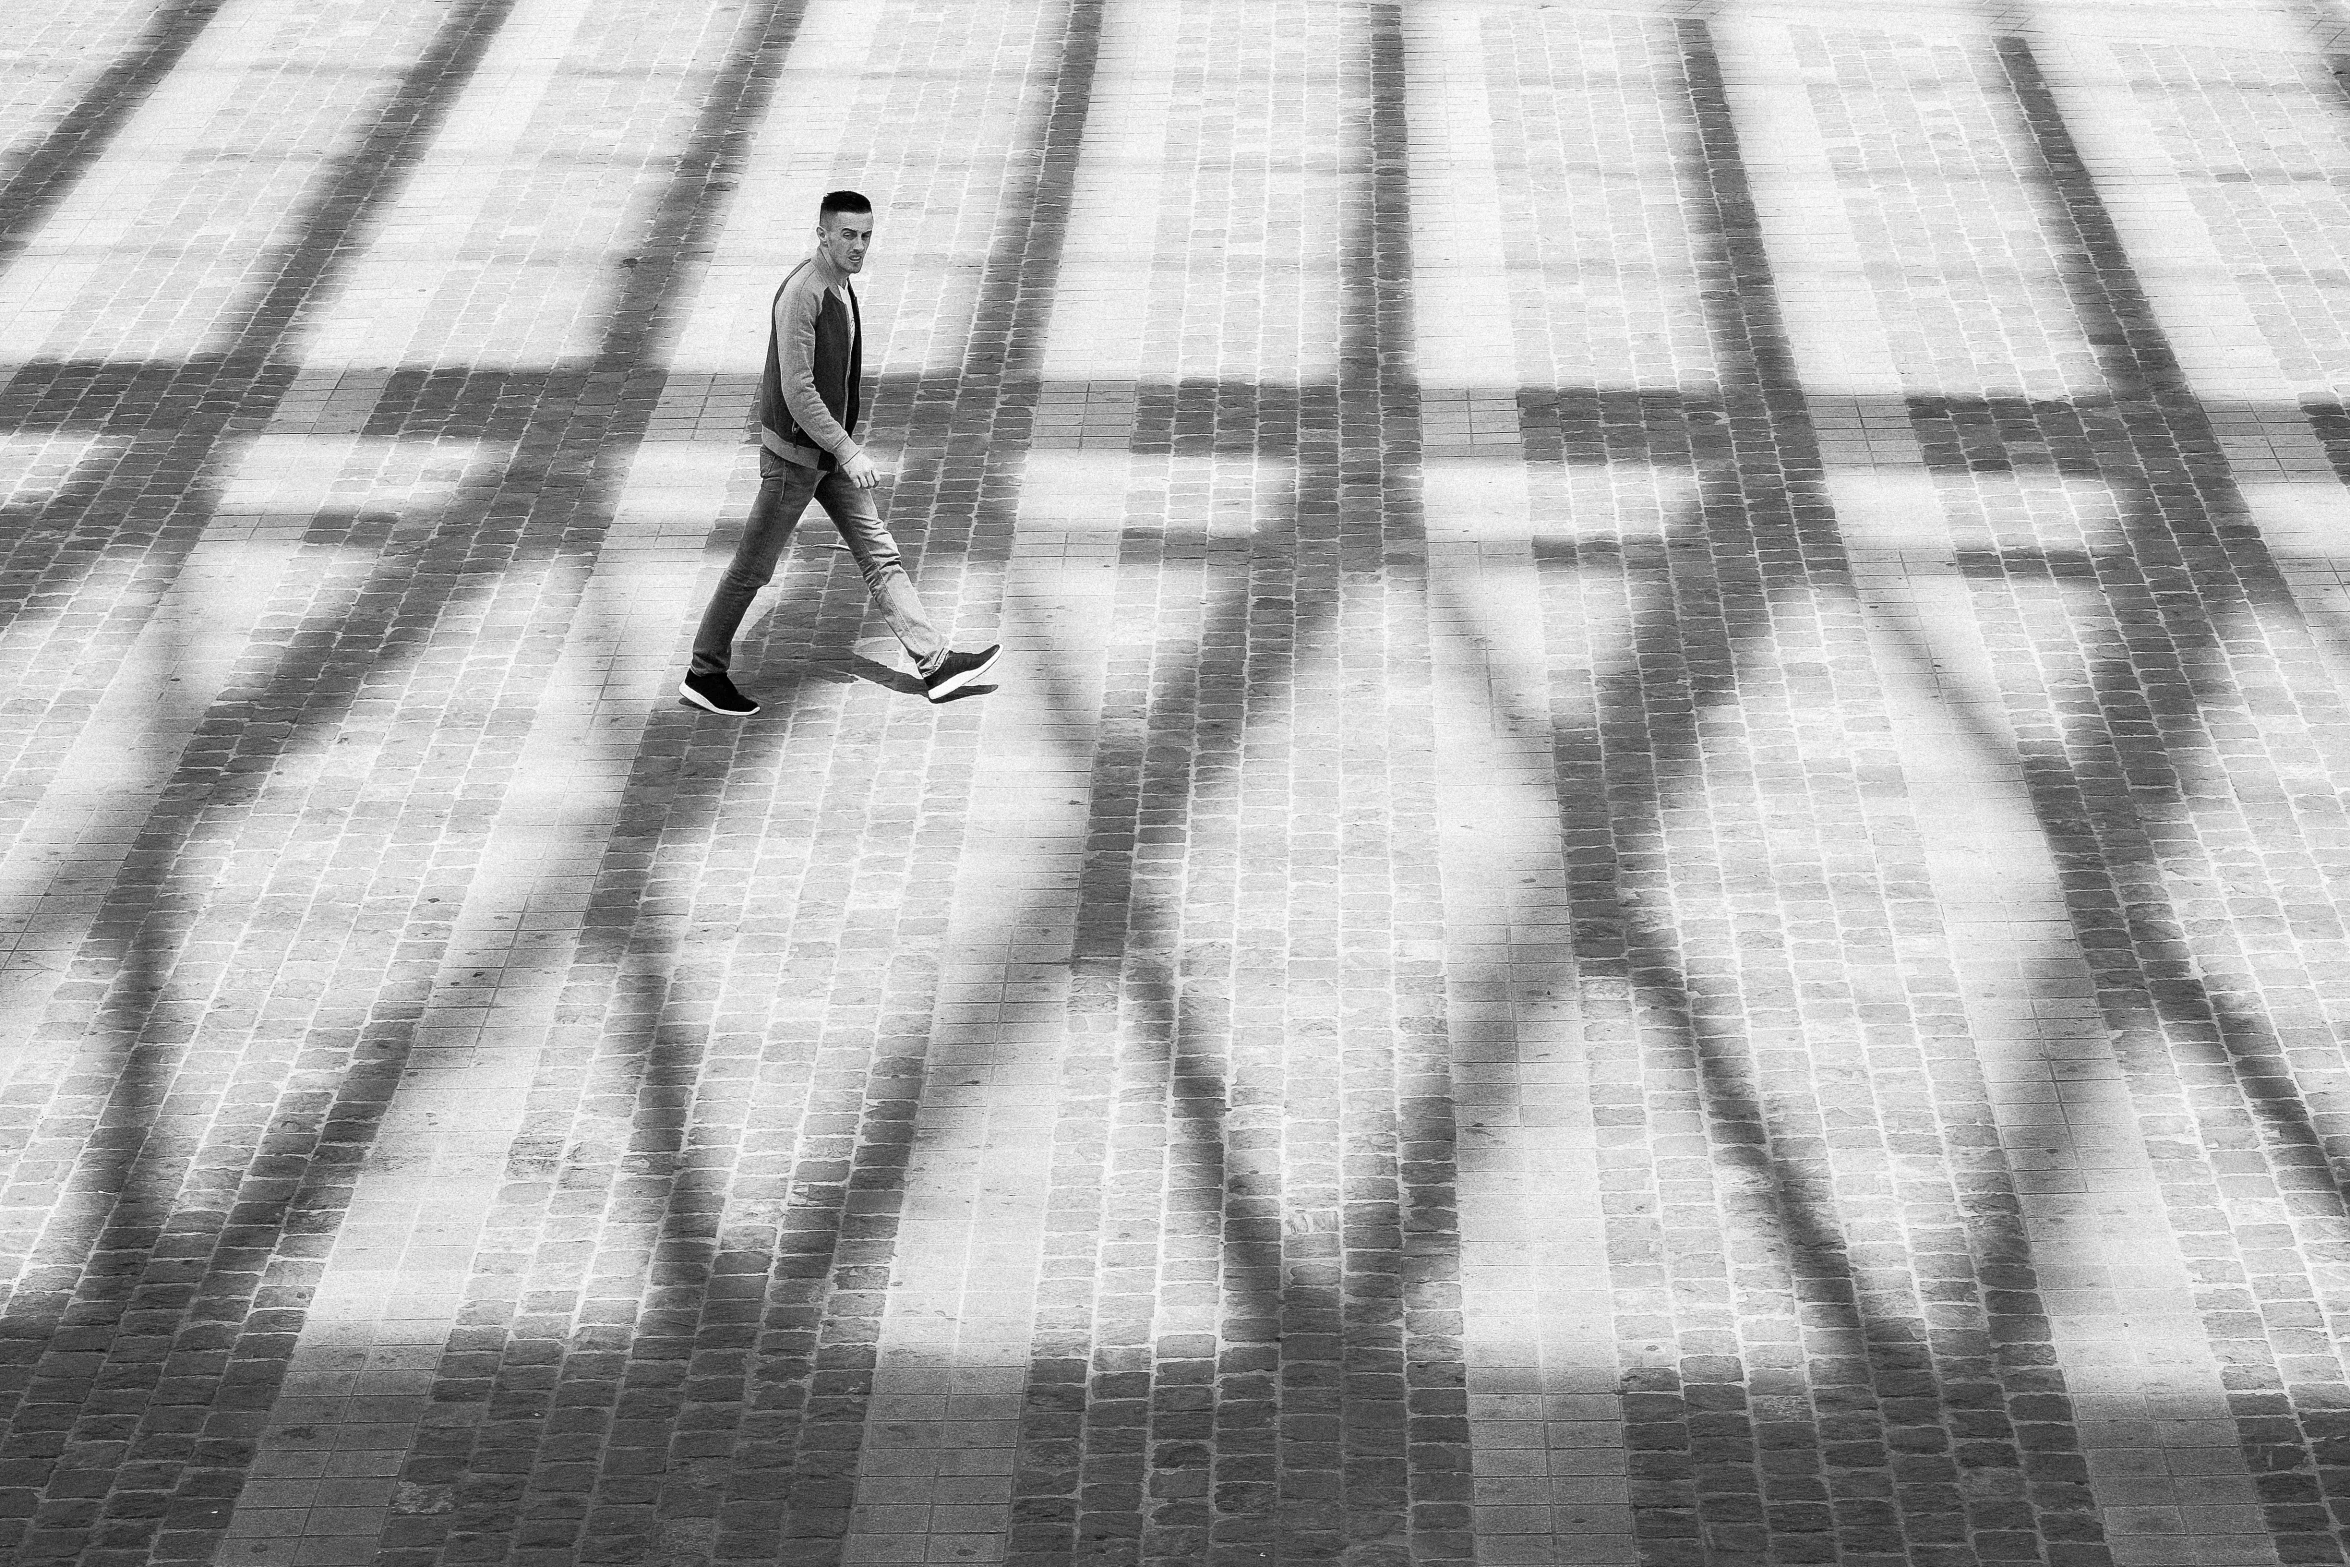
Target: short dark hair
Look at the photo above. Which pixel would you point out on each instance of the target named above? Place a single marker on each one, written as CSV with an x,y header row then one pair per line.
x,y
841,201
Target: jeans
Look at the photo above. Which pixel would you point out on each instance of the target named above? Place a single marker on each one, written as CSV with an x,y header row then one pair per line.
x,y
785,488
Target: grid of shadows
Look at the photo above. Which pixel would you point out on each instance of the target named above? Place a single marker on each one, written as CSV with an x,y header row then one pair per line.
x,y
1322,1421
2189,571
841,1228
177,1249
1114,1414
1909,1394
1889,1399
755,1445
836,1377
225,1275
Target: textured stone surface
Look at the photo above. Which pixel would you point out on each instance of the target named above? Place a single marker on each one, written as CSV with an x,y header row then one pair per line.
x,y
1655,875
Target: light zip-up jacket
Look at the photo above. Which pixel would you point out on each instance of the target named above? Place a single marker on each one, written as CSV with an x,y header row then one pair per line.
x,y
808,397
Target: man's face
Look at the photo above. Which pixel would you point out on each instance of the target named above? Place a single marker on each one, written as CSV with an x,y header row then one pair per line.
x,y
843,236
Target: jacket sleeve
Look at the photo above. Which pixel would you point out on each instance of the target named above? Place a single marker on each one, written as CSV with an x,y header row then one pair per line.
x,y
795,335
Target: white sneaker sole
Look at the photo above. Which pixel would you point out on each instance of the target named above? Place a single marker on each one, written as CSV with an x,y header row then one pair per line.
x,y
941,692
708,706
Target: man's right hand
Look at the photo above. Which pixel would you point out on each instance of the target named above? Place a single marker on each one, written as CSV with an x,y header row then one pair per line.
x,y
861,472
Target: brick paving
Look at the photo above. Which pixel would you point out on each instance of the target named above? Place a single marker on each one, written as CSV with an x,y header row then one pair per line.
x,y
1654,877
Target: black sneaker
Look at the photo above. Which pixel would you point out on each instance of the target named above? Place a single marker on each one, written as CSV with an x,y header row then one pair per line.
x,y
958,670
717,694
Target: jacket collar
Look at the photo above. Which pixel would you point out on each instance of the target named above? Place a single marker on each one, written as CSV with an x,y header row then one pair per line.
x,y
833,276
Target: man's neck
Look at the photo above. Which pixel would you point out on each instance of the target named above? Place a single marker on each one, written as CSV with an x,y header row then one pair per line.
x,y
833,276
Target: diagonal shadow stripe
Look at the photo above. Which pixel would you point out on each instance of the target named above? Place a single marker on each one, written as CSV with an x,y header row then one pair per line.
x,y
1883,1393
857,1222
361,181
1051,1455
2194,569
617,391
1291,1434
1096,1428
618,395
2166,428
1669,955
797,1396
188,419
185,419
600,425
43,176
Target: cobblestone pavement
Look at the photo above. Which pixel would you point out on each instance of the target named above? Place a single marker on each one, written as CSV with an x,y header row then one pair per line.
x,y
1658,874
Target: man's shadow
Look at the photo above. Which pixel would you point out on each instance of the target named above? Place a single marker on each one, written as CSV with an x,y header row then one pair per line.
x,y
858,666
852,666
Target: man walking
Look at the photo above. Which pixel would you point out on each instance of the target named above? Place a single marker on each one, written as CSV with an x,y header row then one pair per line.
x,y
808,407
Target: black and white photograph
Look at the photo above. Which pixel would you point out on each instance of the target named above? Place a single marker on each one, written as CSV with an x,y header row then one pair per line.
x,y
1175,783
